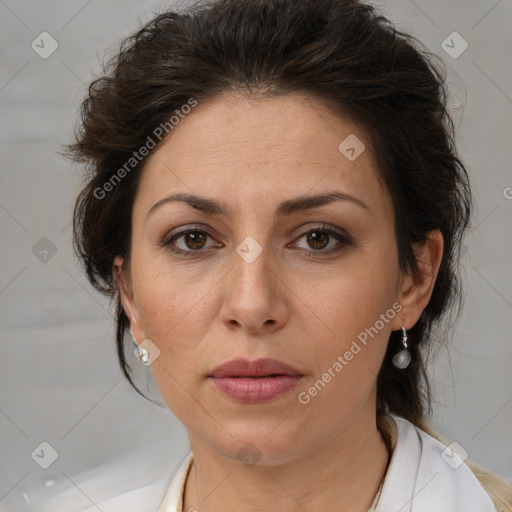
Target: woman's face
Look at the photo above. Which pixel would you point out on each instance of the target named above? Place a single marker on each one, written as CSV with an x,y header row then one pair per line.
x,y
260,277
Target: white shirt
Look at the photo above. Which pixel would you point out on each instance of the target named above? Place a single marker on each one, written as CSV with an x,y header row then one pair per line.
x,y
423,476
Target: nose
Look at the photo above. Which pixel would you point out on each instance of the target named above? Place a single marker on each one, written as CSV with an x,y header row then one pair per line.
x,y
254,295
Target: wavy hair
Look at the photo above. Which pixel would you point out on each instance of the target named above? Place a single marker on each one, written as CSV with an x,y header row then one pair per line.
x,y
340,52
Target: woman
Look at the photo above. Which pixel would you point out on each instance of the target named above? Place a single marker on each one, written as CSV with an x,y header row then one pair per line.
x,y
276,206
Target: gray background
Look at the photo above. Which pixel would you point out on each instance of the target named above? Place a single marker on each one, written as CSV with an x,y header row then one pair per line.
x,y
59,377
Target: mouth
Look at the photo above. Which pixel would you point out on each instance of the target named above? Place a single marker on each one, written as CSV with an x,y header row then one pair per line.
x,y
264,367
255,381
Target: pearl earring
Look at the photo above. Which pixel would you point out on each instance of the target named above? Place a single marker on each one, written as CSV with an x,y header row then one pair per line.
x,y
403,358
142,353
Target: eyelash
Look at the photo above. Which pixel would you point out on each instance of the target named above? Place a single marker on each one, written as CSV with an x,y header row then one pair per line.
x,y
344,240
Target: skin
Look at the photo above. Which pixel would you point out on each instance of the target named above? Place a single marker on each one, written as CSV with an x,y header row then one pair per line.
x,y
287,304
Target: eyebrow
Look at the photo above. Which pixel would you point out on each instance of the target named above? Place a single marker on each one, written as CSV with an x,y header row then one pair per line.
x,y
300,203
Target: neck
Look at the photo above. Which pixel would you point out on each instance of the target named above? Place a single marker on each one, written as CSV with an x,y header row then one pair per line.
x,y
346,471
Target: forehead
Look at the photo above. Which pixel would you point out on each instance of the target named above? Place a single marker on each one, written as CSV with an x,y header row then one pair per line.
x,y
260,148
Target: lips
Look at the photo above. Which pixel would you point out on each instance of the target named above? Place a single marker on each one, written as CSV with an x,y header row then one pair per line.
x,y
255,381
259,368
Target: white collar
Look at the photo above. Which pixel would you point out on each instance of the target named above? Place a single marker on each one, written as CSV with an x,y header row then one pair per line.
x,y
174,496
417,480
420,480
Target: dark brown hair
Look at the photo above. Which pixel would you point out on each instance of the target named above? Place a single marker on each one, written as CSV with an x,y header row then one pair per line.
x,y
340,52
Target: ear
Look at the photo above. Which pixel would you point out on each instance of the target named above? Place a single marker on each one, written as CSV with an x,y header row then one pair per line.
x,y
416,289
127,298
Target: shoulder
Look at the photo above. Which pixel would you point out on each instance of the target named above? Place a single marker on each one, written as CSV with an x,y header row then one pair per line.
x,y
498,488
163,494
142,499
444,472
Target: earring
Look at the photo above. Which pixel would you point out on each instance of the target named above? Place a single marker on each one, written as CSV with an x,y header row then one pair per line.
x,y
403,358
140,352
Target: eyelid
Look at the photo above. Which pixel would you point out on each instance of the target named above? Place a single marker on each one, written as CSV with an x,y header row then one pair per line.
x,y
187,229
324,227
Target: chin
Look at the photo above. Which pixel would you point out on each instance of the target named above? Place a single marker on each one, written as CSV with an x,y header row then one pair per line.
x,y
262,443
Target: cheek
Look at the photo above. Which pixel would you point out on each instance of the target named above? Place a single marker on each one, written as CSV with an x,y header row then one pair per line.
x,y
177,307
355,307
351,297
171,299
174,314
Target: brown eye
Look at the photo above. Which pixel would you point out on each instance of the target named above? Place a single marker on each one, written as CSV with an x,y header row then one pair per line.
x,y
323,241
189,241
318,239
195,239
